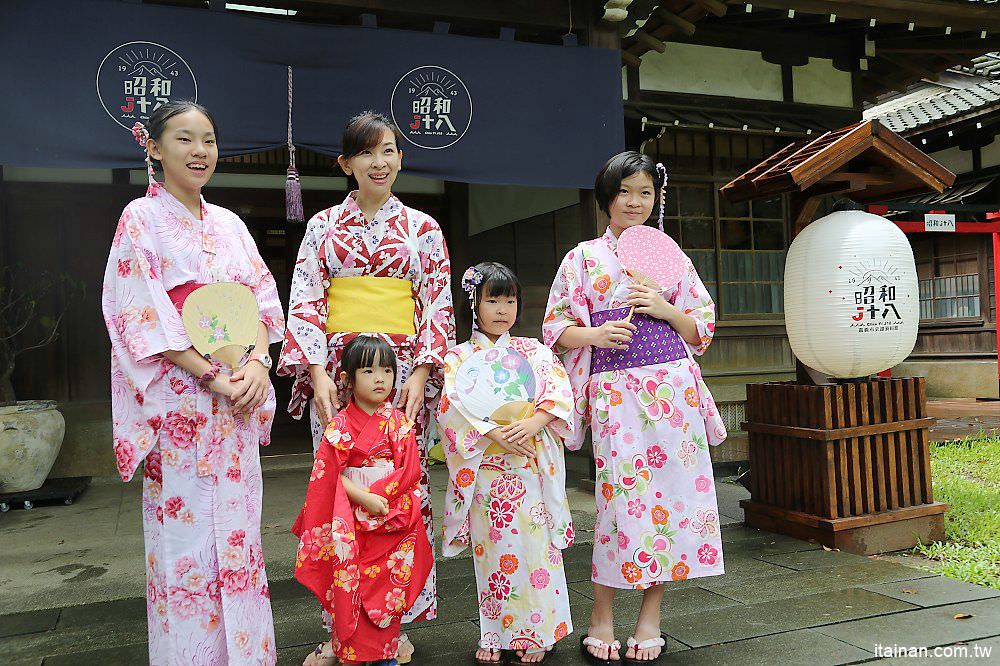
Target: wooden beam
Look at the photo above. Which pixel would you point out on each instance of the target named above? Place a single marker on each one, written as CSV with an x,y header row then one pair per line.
x,y
650,41
882,81
859,177
630,60
912,65
674,20
537,14
803,209
712,6
924,13
760,39
939,44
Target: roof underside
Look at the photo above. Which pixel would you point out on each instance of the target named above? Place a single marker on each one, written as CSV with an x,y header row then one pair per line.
x,y
944,33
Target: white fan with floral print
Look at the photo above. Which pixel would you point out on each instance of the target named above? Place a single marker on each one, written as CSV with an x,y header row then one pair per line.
x,y
497,385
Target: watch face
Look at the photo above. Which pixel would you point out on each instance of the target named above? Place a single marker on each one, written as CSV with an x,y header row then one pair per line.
x,y
265,359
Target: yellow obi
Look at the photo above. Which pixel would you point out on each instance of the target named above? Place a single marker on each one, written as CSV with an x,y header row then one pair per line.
x,y
366,304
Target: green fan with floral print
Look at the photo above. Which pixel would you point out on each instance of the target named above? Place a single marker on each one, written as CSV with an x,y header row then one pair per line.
x,y
222,319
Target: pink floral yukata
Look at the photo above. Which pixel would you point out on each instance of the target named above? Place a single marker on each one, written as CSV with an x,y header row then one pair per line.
x,y
206,591
657,515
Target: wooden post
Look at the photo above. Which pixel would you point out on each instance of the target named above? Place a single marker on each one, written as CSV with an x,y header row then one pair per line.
x,y
996,293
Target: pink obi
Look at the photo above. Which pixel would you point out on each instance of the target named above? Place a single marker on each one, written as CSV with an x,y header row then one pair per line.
x,y
180,293
654,341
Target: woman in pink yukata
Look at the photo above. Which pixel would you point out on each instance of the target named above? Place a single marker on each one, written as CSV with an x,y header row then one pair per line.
x,y
195,429
657,515
371,265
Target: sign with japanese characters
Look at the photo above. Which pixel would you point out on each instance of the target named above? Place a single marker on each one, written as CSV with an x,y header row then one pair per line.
x,y
939,222
432,107
875,306
136,78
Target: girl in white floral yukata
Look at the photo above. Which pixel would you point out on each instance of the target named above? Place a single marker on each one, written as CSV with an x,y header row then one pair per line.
x,y
197,430
657,515
507,488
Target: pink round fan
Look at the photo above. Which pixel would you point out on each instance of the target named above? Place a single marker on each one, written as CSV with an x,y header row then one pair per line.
x,y
651,257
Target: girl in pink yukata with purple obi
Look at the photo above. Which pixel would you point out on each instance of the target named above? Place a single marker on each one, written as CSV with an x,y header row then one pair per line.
x,y
657,515
194,430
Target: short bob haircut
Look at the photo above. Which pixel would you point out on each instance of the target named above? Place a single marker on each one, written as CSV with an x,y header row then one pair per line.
x,y
365,130
366,351
618,168
159,118
498,280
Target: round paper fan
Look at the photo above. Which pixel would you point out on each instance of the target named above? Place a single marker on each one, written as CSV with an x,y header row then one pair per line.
x,y
651,257
496,384
222,320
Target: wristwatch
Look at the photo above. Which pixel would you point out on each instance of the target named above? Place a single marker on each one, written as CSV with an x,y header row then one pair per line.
x,y
263,359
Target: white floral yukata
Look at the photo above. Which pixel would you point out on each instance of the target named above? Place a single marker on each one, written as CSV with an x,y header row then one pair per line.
x,y
399,242
206,590
514,510
657,514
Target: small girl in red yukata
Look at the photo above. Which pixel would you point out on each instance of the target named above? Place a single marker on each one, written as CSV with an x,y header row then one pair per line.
x,y
363,550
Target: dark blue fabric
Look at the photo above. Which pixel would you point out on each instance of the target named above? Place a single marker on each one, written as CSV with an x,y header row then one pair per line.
x,y
472,110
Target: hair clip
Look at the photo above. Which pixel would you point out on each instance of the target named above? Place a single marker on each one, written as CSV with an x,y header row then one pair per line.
x,y
470,280
141,136
663,193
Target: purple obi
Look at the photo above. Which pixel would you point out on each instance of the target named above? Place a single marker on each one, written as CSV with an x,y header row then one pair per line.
x,y
654,341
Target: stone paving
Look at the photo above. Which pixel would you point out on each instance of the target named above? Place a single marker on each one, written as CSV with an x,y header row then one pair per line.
x,y
71,593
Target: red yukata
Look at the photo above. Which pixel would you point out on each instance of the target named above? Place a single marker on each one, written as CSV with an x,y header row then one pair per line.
x,y
365,570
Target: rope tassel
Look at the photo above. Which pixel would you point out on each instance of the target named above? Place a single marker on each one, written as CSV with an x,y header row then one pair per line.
x,y
293,187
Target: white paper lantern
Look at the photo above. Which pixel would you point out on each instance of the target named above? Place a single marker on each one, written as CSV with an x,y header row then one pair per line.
x,y
852,303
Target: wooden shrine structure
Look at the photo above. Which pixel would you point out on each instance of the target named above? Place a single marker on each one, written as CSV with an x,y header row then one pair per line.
x,y
844,463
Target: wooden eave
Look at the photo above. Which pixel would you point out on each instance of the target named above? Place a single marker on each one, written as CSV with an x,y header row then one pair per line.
x,y
902,56
867,160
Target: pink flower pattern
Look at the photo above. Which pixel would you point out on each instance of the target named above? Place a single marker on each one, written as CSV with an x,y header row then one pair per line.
x,y
662,414
201,479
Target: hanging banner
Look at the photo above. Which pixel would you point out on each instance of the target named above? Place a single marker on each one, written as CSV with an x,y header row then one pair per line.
x,y
79,73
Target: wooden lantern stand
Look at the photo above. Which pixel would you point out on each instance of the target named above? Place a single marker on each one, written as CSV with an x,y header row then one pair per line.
x,y
845,463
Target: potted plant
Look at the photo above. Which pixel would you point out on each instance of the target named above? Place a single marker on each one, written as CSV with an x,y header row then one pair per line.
x,y
31,431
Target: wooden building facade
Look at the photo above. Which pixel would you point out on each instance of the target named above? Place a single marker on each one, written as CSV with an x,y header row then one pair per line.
x,y
955,117
710,88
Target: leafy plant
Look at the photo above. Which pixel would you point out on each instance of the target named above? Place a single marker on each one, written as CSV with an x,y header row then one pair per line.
x,y
32,308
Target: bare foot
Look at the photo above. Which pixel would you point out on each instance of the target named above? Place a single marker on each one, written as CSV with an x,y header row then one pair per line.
x,y
643,633
404,652
483,654
603,632
531,657
322,656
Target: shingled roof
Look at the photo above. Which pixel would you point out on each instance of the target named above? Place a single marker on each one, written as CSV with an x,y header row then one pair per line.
x,y
935,104
986,65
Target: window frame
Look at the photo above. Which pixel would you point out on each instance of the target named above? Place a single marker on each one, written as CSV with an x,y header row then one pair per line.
x,y
984,294
714,179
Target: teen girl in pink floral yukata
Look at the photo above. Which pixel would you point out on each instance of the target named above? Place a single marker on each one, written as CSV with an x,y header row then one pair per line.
x,y
657,516
195,428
